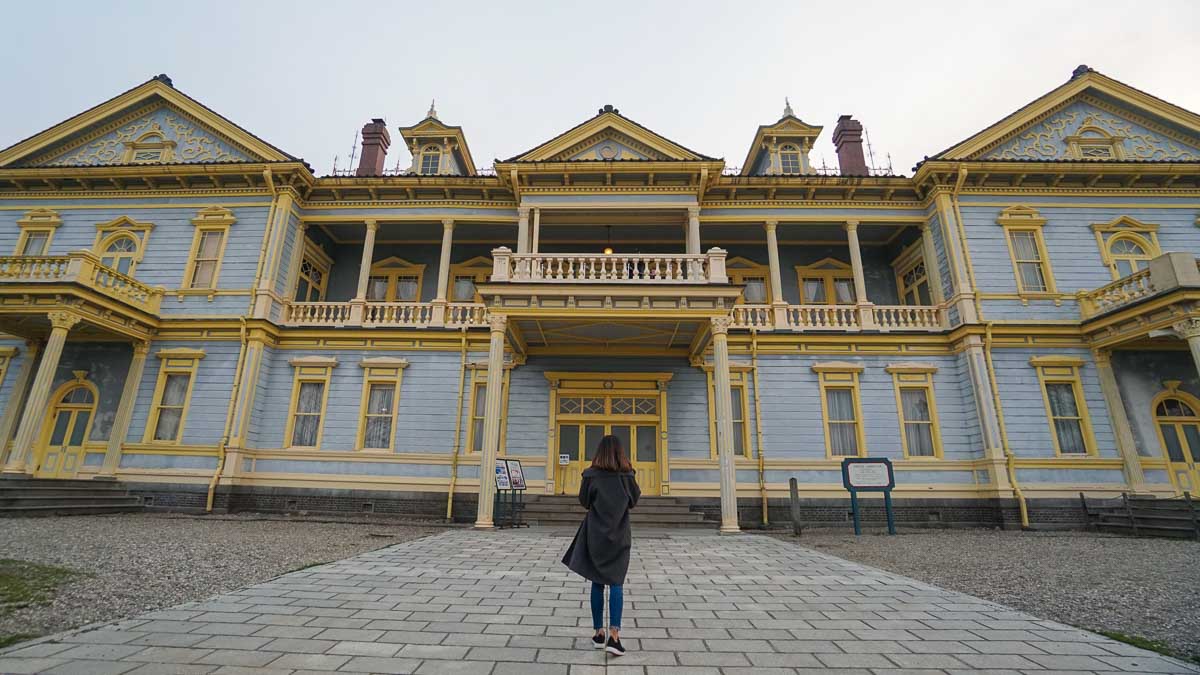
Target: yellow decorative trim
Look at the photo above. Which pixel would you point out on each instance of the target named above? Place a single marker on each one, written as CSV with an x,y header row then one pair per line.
x,y
1016,219
738,269
1144,235
107,233
314,361
43,221
828,271
212,219
835,375
837,367
1065,370
309,369
1056,360
916,376
910,367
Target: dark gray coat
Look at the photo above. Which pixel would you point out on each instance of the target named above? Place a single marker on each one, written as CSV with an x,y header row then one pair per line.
x,y
600,551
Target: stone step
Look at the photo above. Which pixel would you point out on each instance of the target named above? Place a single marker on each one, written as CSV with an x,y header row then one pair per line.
x,y
61,510
74,500
52,491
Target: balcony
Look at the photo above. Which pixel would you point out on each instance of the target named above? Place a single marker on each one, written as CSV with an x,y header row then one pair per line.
x,y
385,314
81,268
586,268
840,318
1167,272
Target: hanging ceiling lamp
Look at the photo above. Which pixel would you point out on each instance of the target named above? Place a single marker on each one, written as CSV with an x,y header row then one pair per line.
x,y
608,249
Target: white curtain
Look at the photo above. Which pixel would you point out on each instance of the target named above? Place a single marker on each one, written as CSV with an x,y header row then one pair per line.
x,y
379,416
308,418
843,434
844,288
755,291
406,289
814,291
917,430
171,407
1069,430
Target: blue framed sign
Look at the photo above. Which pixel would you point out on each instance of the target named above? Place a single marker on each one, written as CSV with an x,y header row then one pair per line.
x,y
869,474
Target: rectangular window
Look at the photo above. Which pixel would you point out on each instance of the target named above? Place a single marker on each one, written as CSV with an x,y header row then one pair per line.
x,y
737,394
755,291
172,394
917,409
464,289
35,242
841,409
310,392
207,259
1066,409
478,406
739,382
381,398
1029,261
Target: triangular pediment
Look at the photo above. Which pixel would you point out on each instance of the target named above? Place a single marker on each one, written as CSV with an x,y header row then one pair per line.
x,y
609,136
1091,118
153,123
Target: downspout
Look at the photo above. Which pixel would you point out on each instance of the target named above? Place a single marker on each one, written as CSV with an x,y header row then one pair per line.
x,y
758,435
237,385
1009,459
462,376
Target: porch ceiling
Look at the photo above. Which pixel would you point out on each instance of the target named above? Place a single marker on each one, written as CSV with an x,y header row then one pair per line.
x,y
590,335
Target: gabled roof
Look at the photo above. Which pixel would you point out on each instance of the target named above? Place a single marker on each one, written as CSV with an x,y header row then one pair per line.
x,y
1084,80
609,121
788,126
159,88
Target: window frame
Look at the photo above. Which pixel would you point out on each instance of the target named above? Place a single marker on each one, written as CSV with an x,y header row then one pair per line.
x,y
430,151
785,149
1065,370
841,375
379,370
107,233
908,260
176,361
478,383
211,219
478,268
308,369
1026,219
1125,227
828,270
7,354
738,269
37,221
916,376
739,388
165,148
318,259
392,268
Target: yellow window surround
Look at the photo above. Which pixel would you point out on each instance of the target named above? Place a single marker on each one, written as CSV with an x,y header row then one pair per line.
x,y
313,276
150,148
1070,416
478,399
37,231
1032,269
912,378
395,279
207,253
743,271
831,274
477,270
1092,142
306,412
739,377
168,414
378,413
912,274
108,248
840,378
1176,419
431,160
1132,231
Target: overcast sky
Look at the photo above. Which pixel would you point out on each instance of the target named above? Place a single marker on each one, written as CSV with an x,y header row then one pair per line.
x,y
306,75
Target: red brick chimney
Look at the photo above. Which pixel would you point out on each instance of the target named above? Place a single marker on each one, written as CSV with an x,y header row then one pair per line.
x,y
375,142
847,137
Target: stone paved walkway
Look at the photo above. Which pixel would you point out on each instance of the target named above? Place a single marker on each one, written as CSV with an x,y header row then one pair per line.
x,y
499,603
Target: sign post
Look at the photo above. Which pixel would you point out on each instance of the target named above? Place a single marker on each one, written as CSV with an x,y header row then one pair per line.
x,y
869,474
510,492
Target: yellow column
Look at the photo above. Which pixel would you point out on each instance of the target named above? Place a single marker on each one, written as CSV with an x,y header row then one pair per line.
x,y
1120,421
523,229
35,405
693,230
120,427
724,401
19,391
491,421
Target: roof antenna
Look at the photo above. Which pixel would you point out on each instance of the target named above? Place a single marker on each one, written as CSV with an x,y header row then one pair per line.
x,y
787,108
335,159
870,152
353,150
432,114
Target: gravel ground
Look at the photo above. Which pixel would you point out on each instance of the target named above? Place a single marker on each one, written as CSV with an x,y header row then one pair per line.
x,y
1140,587
139,562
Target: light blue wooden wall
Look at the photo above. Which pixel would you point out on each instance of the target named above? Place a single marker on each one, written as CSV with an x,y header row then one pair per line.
x,y
209,404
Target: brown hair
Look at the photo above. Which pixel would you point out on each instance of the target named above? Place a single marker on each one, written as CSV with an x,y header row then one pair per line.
x,y
610,456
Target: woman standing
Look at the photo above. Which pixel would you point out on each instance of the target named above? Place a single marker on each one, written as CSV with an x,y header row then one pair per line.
x,y
600,551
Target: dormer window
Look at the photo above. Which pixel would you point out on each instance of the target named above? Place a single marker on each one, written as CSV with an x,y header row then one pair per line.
x,y
1095,143
431,160
149,149
789,160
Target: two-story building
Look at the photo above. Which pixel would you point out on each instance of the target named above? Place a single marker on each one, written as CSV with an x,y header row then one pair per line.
x,y
192,311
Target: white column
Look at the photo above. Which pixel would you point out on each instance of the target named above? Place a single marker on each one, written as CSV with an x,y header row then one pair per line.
x,y
120,427
860,281
35,405
773,262
523,229
537,230
933,271
1120,421
724,401
19,390
368,256
491,421
693,230
443,286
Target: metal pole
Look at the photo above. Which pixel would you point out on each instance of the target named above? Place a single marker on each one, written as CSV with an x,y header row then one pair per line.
x,y
854,512
887,503
795,505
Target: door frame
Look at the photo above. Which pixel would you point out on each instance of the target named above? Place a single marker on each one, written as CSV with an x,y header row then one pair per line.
x,y
607,384
1172,391
43,446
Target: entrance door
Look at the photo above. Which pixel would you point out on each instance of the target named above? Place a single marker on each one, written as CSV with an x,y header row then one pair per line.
x,y
583,419
66,430
1179,429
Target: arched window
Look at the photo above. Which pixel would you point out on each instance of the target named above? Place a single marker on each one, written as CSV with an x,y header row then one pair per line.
x,y
431,160
1179,431
1127,255
120,254
789,160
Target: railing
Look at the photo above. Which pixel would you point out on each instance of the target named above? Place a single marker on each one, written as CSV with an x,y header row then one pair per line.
x,y
651,268
908,317
759,317
466,314
317,313
823,317
82,268
1167,272
397,313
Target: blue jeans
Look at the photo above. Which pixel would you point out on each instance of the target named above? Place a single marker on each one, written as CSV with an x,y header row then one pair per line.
x,y
616,600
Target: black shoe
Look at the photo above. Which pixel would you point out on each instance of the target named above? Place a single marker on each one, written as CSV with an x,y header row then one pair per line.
x,y
598,640
615,647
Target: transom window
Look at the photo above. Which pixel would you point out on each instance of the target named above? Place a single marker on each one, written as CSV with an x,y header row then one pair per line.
x,y
431,160
1173,407
120,254
1127,256
789,160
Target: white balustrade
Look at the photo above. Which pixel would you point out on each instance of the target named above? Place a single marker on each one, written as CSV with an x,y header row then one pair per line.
x,y
466,314
83,268
398,314
908,317
823,317
759,317
651,268
317,313
33,268
1120,292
